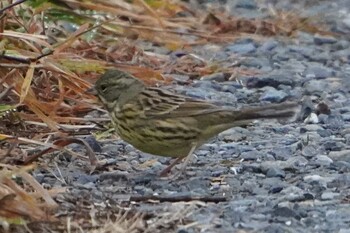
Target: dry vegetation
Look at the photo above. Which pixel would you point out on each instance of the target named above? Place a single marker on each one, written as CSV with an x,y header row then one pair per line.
x,y
52,51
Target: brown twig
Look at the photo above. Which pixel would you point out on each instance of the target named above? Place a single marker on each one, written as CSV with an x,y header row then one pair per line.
x,y
11,5
5,92
26,60
9,150
63,142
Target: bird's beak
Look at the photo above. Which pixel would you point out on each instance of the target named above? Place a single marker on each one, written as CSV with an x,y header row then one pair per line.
x,y
91,91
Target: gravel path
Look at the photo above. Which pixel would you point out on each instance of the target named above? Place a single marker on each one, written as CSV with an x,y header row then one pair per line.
x,y
275,177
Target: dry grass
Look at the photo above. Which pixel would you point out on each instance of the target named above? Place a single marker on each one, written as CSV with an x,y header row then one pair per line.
x,y
50,54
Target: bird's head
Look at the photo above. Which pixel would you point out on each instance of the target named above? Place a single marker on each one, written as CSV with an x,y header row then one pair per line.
x,y
117,87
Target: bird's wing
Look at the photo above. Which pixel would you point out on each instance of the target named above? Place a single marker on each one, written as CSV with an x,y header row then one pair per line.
x,y
161,103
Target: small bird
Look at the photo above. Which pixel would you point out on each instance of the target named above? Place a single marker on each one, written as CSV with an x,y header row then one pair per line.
x,y
159,122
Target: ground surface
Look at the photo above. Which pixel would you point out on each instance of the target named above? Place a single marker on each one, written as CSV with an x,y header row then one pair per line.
x,y
290,177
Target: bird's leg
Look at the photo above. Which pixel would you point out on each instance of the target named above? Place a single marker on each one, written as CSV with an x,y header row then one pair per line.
x,y
165,171
177,160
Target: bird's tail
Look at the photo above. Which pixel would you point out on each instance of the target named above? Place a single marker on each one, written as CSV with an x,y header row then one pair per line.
x,y
287,111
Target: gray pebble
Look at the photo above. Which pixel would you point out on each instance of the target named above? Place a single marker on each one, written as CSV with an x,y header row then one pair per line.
x,y
310,151
219,77
324,133
272,80
335,122
250,155
291,193
268,45
316,179
302,50
329,195
341,166
242,48
282,153
331,145
342,155
275,172
346,21
311,119
285,212
274,96
323,160
319,72
246,4
321,39
296,162
315,87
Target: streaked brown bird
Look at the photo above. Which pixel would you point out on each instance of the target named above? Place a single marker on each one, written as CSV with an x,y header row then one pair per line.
x,y
159,122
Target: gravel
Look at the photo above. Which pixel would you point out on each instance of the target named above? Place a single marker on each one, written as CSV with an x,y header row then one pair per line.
x,y
276,177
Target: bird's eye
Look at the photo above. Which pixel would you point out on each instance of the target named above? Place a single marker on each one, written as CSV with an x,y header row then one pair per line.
x,y
103,88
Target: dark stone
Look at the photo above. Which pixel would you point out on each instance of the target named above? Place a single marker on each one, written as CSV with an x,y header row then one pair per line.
x,y
320,39
95,145
275,172
285,212
276,189
246,4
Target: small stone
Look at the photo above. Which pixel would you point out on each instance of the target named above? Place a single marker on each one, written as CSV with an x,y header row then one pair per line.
x,y
340,181
274,96
246,4
324,133
342,166
310,137
331,145
310,151
242,48
274,80
305,51
207,84
275,189
95,146
322,118
291,193
268,45
346,116
275,172
311,119
315,87
335,122
84,179
321,39
180,78
296,162
285,212
344,230
230,87
311,128
219,77
342,155
346,21
250,155
323,160
319,72
112,175
329,195
316,179
282,153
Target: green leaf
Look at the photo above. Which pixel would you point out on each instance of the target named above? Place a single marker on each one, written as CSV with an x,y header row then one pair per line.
x,y
36,3
4,109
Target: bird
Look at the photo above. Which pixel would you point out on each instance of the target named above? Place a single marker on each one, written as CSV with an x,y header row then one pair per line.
x,y
161,122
